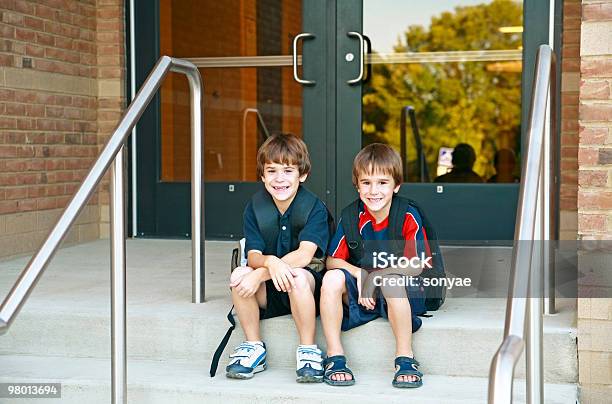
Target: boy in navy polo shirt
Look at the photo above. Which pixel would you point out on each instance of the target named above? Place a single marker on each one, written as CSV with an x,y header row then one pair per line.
x,y
277,280
377,174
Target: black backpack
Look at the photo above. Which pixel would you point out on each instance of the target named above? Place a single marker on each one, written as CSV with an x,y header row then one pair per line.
x,y
266,215
434,295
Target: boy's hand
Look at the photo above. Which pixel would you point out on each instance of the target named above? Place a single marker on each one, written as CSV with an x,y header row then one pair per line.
x,y
247,285
367,302
281,274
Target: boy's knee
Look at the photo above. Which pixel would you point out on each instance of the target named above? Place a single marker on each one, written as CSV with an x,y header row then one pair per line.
x,y
394,289
301,278
238,273
333,281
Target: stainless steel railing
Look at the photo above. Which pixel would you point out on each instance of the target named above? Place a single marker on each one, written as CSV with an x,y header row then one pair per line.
x,y
532,262
261,123
113,153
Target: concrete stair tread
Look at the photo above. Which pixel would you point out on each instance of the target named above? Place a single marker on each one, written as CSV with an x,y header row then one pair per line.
x,y
71,308
186,382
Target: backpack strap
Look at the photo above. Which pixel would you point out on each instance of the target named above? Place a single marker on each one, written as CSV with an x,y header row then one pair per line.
x,y
215,360
350,225
303,204
397,217
266,214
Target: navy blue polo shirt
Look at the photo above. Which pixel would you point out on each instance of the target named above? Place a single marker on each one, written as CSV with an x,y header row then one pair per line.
x,y
315,230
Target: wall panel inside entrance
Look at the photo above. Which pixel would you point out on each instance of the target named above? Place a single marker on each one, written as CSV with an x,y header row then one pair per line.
x,y
206,30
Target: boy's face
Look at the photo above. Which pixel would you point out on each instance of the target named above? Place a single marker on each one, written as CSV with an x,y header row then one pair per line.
x,y
376,191
282,180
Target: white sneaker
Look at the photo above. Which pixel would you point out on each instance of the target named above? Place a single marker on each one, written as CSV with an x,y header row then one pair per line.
x,y
309,364
248,358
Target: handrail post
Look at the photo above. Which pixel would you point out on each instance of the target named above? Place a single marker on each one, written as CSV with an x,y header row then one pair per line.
x,y
118,280
198,278
521,307
534,324
550,185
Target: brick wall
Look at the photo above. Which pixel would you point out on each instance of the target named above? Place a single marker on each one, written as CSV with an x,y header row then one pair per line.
x,y
595,191
60,91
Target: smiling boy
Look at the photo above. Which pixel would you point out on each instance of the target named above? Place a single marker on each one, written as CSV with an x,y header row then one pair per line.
x,y
377,175
277,280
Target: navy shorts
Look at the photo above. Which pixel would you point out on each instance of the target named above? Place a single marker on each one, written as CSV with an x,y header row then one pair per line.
x,y
277,302
355,314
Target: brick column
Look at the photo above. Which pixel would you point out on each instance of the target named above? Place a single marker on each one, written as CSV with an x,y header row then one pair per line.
x,y
111,74
595,192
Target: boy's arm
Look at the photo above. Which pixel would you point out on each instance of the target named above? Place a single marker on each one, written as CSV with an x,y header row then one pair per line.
x,y
301,257
337,263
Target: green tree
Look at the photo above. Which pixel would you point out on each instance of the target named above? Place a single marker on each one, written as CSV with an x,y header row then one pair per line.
x,y
477,103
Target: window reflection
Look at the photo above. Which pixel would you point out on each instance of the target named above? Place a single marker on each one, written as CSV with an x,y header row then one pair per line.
x,y
458,64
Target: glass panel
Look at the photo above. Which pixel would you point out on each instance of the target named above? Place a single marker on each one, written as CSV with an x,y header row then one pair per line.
x,y
457,63
235,92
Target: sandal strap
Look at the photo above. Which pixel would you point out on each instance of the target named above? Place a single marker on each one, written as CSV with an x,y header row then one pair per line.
x,y
407,366
338,365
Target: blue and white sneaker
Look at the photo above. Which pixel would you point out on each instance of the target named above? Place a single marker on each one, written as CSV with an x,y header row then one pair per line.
x,y
309,364
248,358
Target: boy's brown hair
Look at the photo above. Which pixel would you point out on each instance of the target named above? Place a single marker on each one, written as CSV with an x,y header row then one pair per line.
x,y
378,157
283,149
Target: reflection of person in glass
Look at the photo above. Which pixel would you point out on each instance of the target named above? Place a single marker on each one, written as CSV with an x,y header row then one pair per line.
x,y
504,161
463,162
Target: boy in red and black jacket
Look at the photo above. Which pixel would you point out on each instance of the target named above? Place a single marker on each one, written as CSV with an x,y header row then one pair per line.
x,y
377,175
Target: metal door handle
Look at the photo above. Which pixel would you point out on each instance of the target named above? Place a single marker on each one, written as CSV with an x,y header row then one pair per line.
x,y
304,35
357,35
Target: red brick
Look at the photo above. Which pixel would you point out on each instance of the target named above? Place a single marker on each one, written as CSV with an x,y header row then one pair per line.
x,y
35,23
595,200
596,68
597,12
594,90
35,110
6,31
35,50
588,223
587,156
45,39
24,7
46,12
15,109
16,193
595,112
25,96
23,34
592,178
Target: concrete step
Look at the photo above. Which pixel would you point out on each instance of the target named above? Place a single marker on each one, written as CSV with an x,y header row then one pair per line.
x,y
152,382
68,315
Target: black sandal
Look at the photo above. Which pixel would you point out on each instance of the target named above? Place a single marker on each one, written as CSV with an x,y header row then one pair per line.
x,y
406,366
335,365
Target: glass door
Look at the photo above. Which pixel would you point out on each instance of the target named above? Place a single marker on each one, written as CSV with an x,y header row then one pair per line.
x,y
244,50
442,85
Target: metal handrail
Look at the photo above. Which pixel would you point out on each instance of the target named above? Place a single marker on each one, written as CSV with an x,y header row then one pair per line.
x,y
408,111
523,325
261,122
113,153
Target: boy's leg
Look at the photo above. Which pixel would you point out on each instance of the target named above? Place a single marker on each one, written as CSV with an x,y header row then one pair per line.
x,y
400,315
333,292
303,306
247,308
